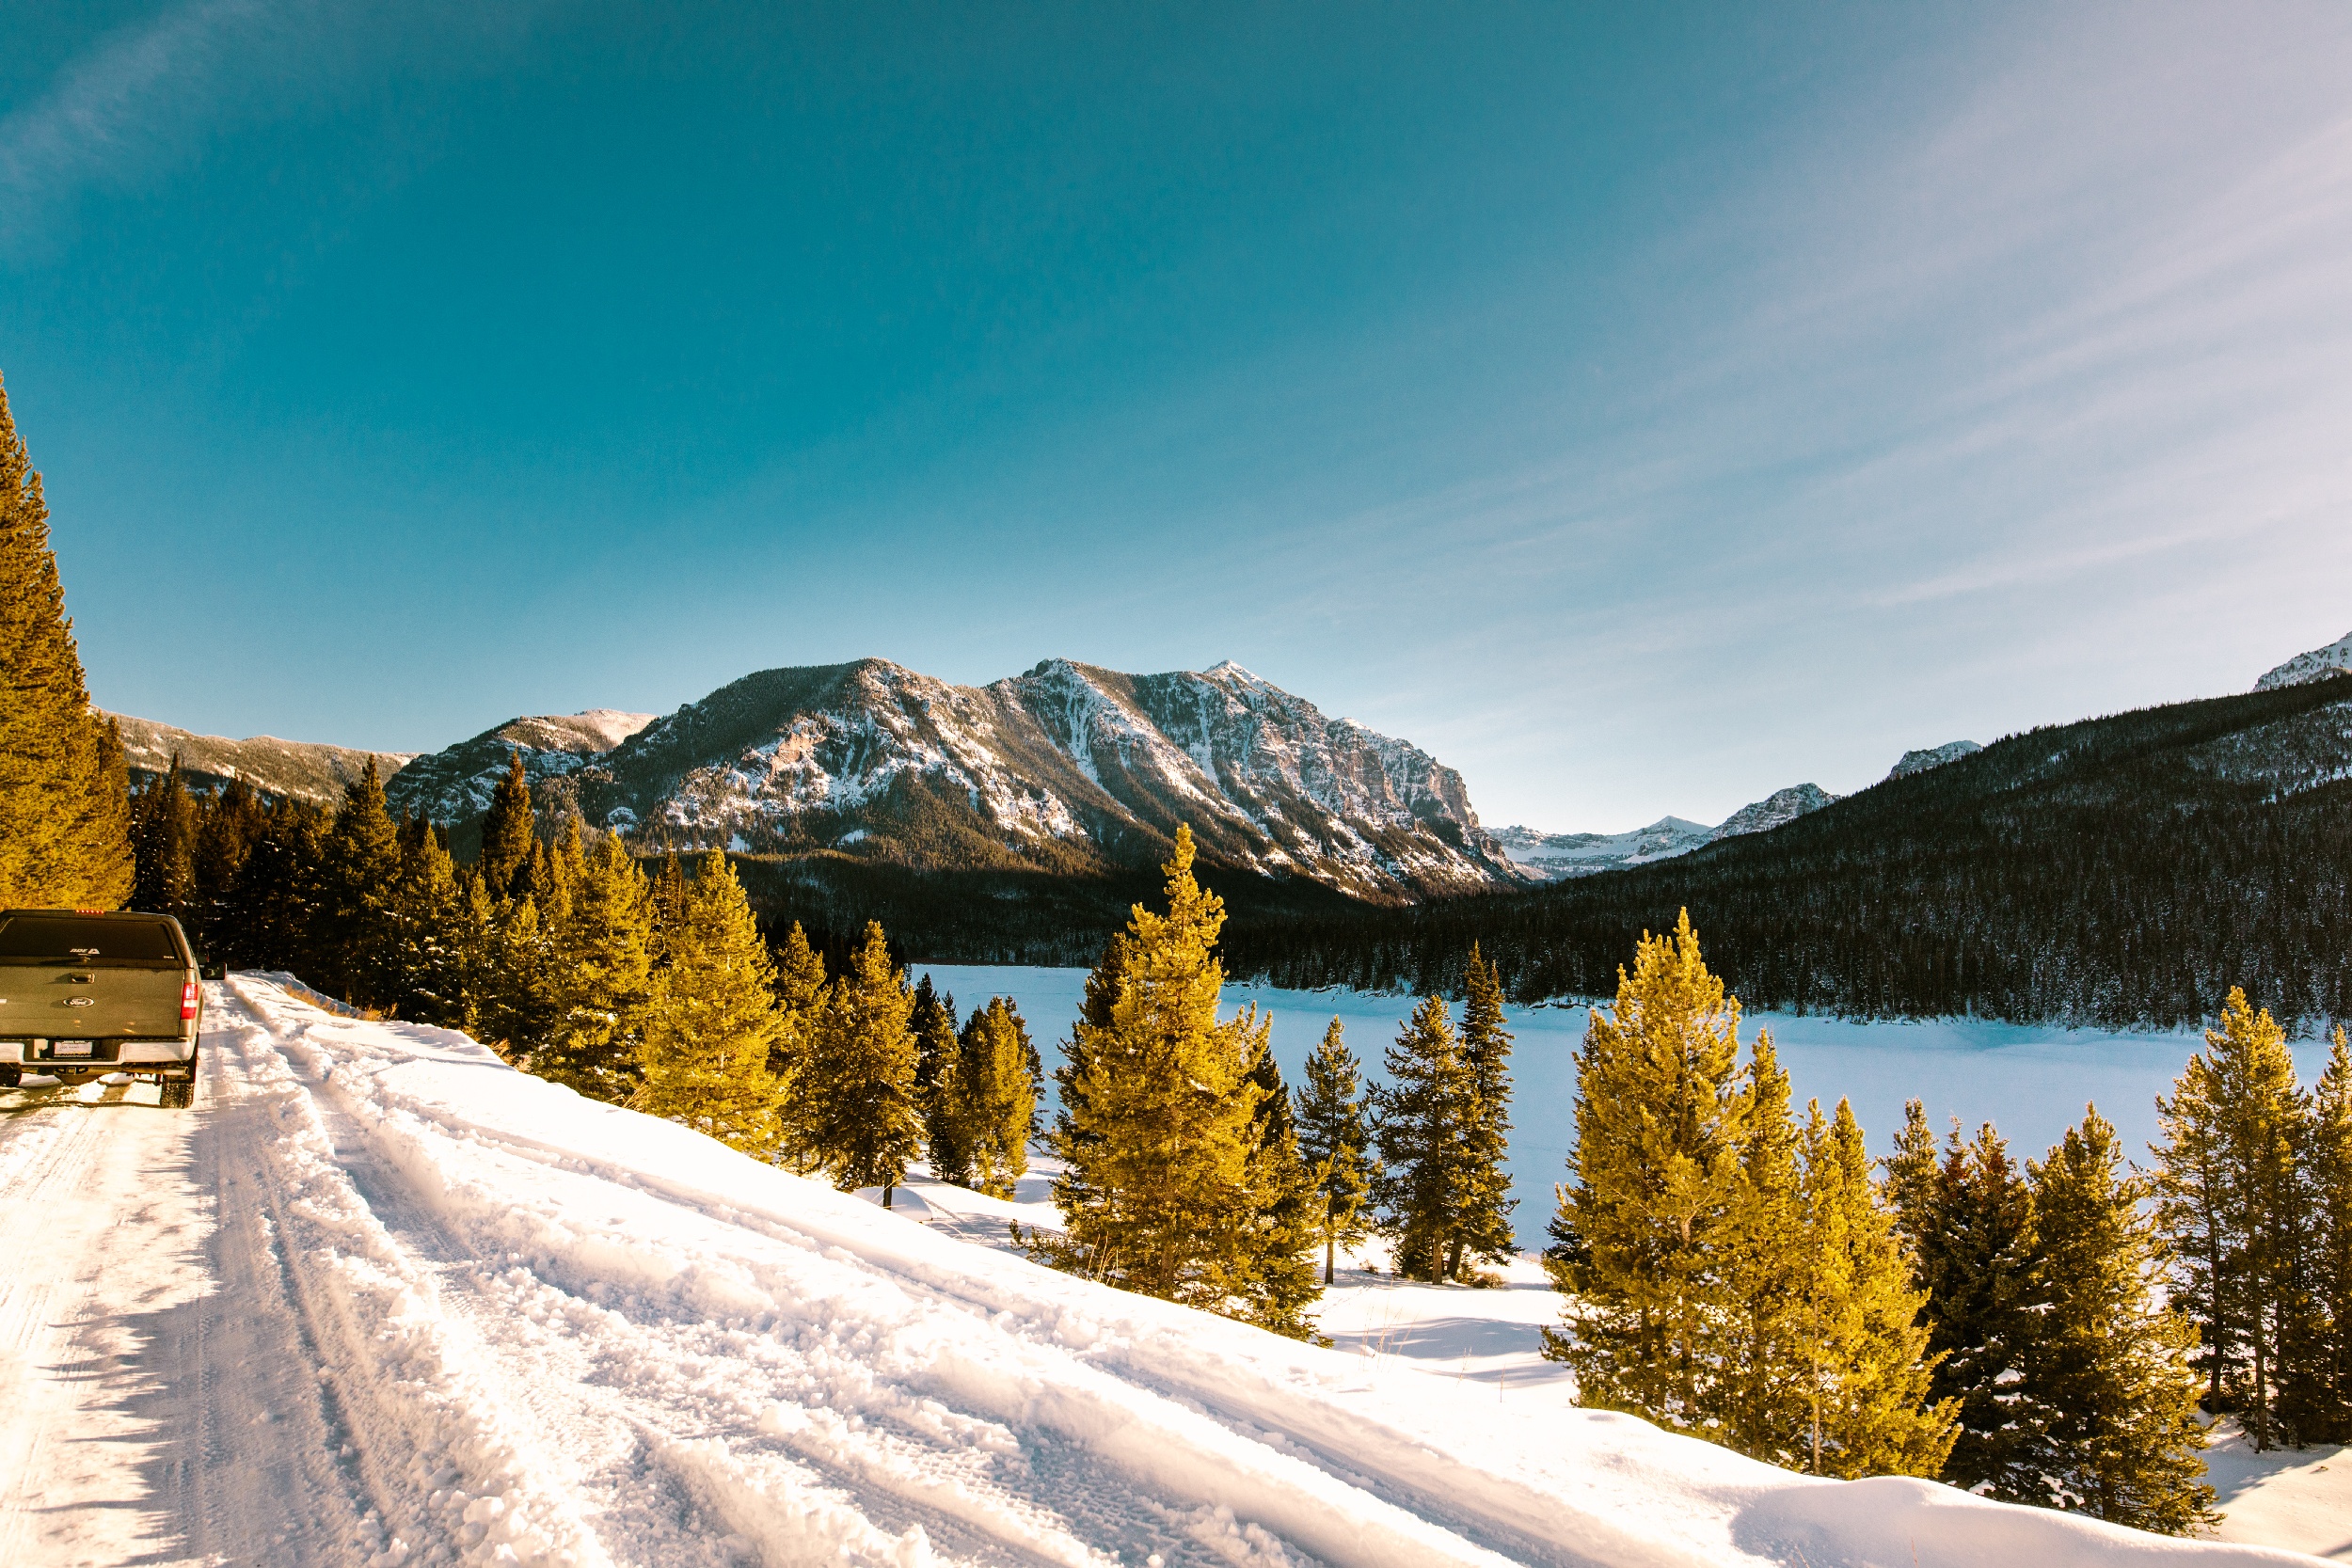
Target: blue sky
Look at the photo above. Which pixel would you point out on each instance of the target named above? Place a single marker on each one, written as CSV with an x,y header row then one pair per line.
x,y
1641,409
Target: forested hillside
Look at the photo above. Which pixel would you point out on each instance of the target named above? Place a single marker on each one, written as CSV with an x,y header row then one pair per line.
x,y
2120,871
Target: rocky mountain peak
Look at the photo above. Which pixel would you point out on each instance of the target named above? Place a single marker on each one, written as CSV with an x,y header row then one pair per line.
x,y
2319,664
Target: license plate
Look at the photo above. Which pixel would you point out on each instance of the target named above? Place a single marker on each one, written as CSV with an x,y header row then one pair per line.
x,y
68,1048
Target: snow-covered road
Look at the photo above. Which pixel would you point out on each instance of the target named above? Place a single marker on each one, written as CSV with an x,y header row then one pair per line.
x,y
379,1299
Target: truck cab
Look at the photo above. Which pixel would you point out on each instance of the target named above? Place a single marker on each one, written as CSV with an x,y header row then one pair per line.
x,y
89,993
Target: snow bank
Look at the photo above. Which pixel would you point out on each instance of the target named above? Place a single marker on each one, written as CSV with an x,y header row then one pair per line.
x,y
565,1332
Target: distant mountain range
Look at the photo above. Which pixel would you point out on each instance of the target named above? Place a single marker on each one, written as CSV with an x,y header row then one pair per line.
x,y
2320,663
302,769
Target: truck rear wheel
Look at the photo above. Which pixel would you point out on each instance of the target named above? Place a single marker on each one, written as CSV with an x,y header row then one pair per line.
x,y
178,1093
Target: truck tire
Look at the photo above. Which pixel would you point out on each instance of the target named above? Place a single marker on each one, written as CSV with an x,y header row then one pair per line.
x,y
178,1093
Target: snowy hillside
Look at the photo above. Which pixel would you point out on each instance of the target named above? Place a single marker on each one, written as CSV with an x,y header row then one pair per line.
x,y
1555,856
1066,768
454,785
2320,663
303,769
395,1304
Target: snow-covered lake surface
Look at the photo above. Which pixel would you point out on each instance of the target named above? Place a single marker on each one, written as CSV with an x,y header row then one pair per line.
x,y
2031,1081
379,1299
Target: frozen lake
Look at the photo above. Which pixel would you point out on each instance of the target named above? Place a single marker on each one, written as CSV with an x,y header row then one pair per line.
x,y
2031,1081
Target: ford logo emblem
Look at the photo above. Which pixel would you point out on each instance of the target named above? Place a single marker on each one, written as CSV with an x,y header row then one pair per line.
x,y
81,1002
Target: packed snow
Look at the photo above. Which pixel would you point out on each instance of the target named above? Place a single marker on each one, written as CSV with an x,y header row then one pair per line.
x,y
378,1299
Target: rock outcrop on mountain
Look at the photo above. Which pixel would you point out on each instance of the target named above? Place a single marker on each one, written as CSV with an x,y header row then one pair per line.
x,y
1919,761
296,769
1065,768
1554,857
1781,805
2317,665
452,786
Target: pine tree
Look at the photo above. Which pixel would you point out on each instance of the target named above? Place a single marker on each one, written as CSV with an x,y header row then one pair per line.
x,y
799,1007
428,963
1335,1143
507,831
1866,1368
1423,1129
938,1086
1279,1279
1161,1190
1649,1213
603,940
362,864
65,818
2229,1200
1482,1229
2118,1435
1767,1401
1976,1264
996,1095
163,843
2329,1164
857,1090
710,1017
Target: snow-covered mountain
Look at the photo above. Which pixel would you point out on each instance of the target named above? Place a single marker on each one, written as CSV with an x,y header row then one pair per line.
x,y
1919,761
1065,768
454,785
1555,857
2319,664
302,769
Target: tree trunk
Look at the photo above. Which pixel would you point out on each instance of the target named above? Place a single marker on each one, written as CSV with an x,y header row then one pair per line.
x,y
1331,1250
886,1187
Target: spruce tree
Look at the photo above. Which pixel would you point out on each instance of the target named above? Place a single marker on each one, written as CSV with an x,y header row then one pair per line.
x,y
2230,1201
1423,1129
1984,1302
603,942
1162,1188
1864,1363
1482,1231
800,1007
939,1087
428,964
2117,1435
65,817
996,1099
1280,1284
163,843
1335,1143
710,1017
857,1092
362,866
506,831
1649,1213
2329,1164
1767,1401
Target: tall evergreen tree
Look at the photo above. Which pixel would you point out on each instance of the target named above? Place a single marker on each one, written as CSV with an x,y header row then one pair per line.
x,y
506,831
1483,1228
163,821
2230,1201
1651,1203
857,1091
1280,1284
603,940
1159,1129
65,819
1424,1128
710,1017
995,1095
427,964
938,1086
2117,1435
1984,1303
1767,1400
2329,1167
1864,1362
1335,1143
362,864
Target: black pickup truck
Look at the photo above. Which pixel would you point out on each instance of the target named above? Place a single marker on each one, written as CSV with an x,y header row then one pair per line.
x,y
86,992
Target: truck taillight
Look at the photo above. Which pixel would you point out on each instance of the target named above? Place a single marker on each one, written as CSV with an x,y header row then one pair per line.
x,y
188,1001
